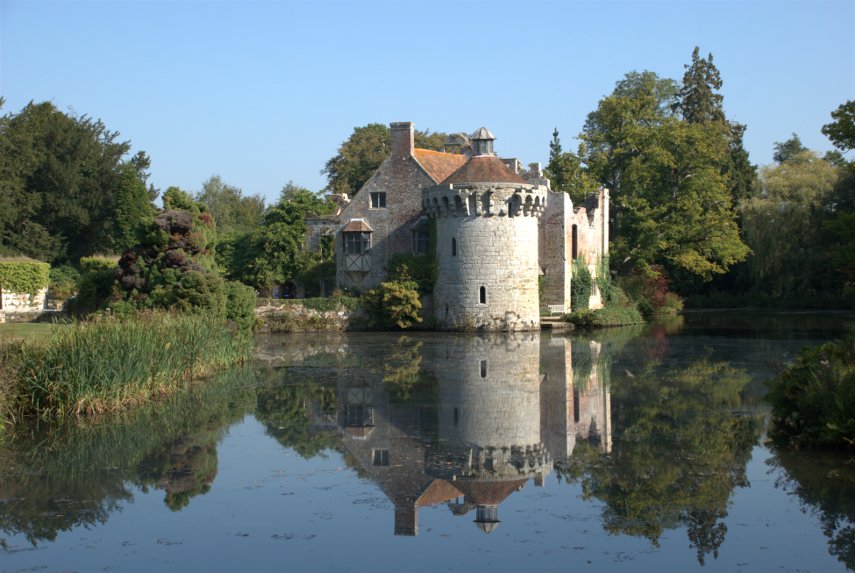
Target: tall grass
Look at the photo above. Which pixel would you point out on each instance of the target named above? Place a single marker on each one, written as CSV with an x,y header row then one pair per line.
x,y
94,367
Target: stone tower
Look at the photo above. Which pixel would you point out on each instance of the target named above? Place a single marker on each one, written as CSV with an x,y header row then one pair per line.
x,y
486,244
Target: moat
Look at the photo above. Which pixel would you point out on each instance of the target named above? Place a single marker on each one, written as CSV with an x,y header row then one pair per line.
x,y
618,450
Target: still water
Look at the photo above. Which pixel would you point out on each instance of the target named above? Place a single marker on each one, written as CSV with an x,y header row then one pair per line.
x,y
620,450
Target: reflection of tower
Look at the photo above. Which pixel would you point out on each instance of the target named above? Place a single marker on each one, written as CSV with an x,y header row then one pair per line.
x,y
575,397
489,422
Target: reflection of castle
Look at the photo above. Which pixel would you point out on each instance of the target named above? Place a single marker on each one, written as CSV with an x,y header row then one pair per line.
x,y
506,406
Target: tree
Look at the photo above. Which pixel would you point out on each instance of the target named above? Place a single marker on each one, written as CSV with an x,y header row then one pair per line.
x,y
698,100
783,223
63,185
233,212
668,179
841,131
786,150
363,152
133,207
274,252
554,146
567,172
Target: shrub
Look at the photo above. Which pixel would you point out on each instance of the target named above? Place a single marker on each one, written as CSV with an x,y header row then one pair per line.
x,y
64,281
580,285
240,304
172,268
394,304
605,317
95,288
420,269
647,286
813,401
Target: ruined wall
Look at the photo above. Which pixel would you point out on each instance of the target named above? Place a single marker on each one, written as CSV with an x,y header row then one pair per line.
x,y
561,224
554,241
486,237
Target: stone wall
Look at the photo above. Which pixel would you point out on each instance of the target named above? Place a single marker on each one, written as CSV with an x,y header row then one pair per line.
x,y
292,316
486,237
401,178
554,243
562,224
23,303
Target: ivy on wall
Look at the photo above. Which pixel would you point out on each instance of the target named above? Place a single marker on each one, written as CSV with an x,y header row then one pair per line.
x,y
581,285
21,275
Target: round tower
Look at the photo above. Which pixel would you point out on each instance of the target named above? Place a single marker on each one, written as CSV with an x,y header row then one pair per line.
x,y
486,244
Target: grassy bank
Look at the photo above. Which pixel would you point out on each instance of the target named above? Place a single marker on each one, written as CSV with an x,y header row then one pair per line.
x,y
89,368
605,317
24,330
813,401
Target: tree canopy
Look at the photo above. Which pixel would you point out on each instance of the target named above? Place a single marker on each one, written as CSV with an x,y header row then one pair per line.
x,y
66,188
232,210
363,152
667,155
841,131
274,251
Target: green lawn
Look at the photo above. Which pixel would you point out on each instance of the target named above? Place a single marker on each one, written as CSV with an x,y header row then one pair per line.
x,y
25,330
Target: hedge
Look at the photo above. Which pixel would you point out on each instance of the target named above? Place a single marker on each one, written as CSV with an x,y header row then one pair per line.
x,y
22,275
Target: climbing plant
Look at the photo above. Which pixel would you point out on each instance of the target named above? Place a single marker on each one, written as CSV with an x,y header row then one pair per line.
x,y
580,285
23,275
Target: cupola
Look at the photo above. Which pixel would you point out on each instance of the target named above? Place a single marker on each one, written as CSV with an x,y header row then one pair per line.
x,y
482,142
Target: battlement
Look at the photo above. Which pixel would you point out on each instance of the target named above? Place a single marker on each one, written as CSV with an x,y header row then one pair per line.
x,y
485,200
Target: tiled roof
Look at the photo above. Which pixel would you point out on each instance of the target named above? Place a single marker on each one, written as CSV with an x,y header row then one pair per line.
x,y
357,226
484,169
438,165
437,492
488,492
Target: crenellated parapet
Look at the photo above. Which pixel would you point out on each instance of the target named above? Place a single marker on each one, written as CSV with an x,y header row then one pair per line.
x,y
485,200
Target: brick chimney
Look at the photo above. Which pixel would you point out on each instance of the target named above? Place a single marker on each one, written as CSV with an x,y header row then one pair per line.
x,y
402,139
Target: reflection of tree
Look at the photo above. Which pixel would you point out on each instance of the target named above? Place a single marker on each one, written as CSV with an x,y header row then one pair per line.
x,y
679,451
825,485
403,372
184,469
288,412
56,477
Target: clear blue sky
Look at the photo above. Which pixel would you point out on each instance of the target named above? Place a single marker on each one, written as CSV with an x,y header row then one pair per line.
x,y
263,92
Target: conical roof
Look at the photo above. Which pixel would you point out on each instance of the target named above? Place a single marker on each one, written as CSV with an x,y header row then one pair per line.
x,y
484,169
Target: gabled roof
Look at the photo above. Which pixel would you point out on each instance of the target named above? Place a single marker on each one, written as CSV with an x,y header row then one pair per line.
x,y
484,169
437,164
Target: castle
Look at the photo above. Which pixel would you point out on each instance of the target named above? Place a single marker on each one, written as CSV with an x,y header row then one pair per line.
x,y
505,242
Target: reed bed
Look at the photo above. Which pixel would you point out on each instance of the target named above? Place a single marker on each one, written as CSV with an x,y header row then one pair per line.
x,y
94,367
